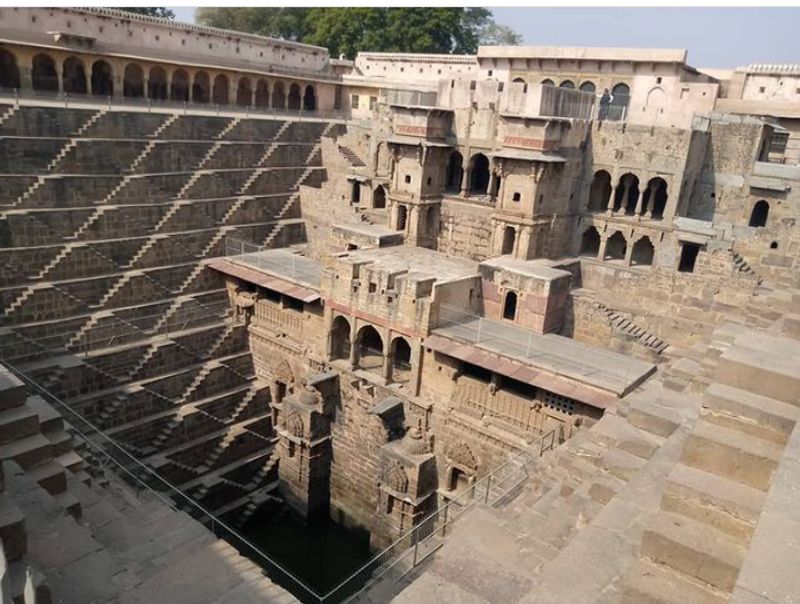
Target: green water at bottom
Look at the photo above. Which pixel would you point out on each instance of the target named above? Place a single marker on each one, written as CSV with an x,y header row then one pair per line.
x,y
321,554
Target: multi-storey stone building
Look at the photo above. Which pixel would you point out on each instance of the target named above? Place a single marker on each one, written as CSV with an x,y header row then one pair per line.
x,y
519,297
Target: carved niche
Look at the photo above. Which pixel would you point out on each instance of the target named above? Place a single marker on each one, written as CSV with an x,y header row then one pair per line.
x,y
396,478
461,454
294,424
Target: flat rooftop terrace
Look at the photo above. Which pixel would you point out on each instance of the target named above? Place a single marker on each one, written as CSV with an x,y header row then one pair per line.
x,y
554,354
278,269
419,263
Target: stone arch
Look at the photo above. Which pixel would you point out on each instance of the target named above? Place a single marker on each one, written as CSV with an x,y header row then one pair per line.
x,y
293,100
643,252
401,359
133,81
655,198
279,96
759,214
479,174
656,100
221,91
548,82
9,70
454,171
600,191
179,87
509,238
588,86
627,193
157,88
102,78
618,106
73,74
340,344
370,348
510,306
396,478
309,99
44,76
201,88
282,372
568,84
616,247
461,453
262,93
244,92
402,217
590,243
521,81
379,197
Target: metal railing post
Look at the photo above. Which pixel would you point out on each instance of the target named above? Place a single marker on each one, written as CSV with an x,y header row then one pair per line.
x,y
488,484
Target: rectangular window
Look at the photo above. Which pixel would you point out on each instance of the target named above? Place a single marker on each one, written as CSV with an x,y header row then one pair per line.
x,y
354,101
373,102
778,143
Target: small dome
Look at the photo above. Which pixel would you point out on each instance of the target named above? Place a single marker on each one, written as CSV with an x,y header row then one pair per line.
x,y
413,442
308,396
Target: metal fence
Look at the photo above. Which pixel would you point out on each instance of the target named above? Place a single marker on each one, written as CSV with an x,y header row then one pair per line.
x,y
120,332
68,99
143,479
547,351
388,566
396,561
293,266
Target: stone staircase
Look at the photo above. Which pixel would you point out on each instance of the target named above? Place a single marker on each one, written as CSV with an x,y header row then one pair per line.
x,y
40,180
741,266
71,144
89,123
207,157
696,544
630,329
351,156
8,113
227,129
171,119
65,251
141,157
93,217
655,503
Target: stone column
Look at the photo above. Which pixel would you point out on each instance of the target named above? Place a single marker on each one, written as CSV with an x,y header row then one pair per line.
x,y
610,206
639,202
626,191
25,78
353,345
628,253
601,253
387,359
492,181
654,187
465,174
523,242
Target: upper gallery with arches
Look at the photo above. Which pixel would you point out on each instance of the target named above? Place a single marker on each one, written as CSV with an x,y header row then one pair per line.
x,y
628,195
630,83
54,71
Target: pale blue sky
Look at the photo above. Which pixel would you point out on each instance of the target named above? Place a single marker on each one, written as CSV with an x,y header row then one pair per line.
x,y
715,37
